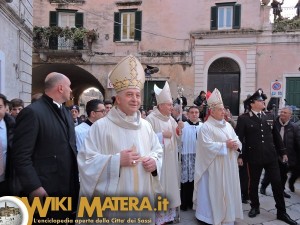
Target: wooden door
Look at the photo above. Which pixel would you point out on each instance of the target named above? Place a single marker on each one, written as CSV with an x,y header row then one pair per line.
x,y
229,86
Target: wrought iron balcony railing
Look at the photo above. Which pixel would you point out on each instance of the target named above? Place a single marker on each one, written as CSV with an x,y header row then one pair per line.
x,y
66,1
63,38
59,43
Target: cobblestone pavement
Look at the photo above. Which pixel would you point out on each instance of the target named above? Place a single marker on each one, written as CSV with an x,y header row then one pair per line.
x,y
267,214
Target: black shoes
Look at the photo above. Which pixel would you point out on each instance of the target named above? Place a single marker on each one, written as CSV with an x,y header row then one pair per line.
x,y
244,200
286,195
291,186
253,212
183,208
286,218
202,223
263,190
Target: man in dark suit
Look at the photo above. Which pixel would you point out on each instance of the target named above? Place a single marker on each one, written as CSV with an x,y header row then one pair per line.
x,y
290,134
44,147
260,142
7,124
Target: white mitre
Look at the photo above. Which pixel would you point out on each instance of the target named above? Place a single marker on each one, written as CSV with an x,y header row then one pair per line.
x,y
128,73
215,99
163,95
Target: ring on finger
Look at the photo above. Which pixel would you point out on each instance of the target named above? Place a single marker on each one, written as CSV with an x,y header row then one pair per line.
x,y
133,162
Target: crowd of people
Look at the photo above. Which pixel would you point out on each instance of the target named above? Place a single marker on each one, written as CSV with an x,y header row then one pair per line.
x,y
197,157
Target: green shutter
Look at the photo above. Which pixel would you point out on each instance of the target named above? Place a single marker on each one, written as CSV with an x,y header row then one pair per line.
x,y
117,26
78,24
53,18
138,26
78,19
214,18
53,21
293,91
237,17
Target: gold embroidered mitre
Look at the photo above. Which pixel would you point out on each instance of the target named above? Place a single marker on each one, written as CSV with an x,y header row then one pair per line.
x,y
215,99
128,73
163,95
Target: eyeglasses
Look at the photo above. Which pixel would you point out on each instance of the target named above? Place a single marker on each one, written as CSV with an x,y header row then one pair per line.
x,y
102,111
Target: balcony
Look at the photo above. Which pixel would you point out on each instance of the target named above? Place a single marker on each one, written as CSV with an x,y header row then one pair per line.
x,y
59,43
67,1
58,38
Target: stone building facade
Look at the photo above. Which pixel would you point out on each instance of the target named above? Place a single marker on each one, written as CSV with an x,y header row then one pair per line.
x,y
197,45
15,48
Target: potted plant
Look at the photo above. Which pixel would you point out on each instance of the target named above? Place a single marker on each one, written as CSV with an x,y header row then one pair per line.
x,y
78,37
91,35
78,34
38,37
67,33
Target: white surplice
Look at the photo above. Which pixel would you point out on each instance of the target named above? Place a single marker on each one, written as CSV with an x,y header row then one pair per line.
x,y
99,157
188,152
170,167
81,131
217,194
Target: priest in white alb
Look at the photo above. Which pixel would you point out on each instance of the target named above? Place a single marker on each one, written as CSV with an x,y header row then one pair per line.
x,y
165,127
122,156
217,195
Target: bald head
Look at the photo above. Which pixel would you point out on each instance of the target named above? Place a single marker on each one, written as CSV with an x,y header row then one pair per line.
x,y
57,86
52,79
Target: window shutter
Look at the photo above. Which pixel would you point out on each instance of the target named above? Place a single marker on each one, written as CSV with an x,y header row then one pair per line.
x,y
237,17
138,26
78,24
53,21
214,18
117,26
53,18
78,19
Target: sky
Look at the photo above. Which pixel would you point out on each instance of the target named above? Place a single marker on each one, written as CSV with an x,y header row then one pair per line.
x,y
288,9
9,203
290,3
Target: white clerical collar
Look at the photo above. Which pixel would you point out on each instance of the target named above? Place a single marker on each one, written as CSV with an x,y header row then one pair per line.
x,y
58,105
127,118
220,123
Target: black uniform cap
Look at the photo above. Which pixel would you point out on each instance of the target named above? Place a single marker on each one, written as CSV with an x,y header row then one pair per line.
x,y
258,95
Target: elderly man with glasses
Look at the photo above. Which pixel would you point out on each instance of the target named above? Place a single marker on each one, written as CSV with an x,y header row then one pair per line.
x,y
290,134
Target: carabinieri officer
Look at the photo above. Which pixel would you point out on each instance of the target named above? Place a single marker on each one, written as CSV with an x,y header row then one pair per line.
x,y
261,145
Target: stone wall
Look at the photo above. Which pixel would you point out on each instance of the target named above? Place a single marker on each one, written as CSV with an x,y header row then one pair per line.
x,y
16,50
